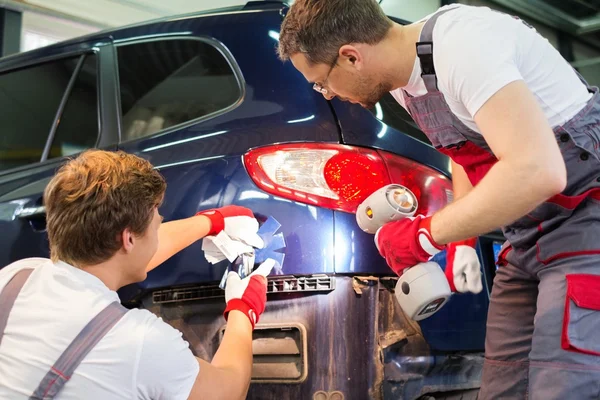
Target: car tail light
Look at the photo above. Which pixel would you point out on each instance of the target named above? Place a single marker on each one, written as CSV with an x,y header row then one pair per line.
x,y
340,177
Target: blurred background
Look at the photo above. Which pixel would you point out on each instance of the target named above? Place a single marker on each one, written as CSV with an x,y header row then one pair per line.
x,y
572,26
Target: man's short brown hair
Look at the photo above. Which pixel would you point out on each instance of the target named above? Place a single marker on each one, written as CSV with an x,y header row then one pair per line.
x,y
318,28
93,198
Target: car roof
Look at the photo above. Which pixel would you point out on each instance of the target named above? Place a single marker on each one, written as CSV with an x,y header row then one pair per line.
x,y
257,5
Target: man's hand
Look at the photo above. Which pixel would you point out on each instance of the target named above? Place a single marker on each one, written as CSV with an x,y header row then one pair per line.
x,y
237,222
406,243
248,295
462,267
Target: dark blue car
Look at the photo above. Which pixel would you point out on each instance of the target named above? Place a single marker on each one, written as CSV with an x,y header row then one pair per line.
x,y
205,99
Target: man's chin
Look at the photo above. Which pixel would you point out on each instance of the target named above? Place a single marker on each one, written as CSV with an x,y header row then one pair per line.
x,y
368,106
142,277
369,103
138,277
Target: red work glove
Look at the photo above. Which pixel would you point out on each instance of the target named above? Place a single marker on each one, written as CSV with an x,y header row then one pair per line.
x,y
237,222
248,295
406,243
462,267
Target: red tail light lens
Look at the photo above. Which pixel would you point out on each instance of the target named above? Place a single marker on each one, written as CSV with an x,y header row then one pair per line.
x,y
340,177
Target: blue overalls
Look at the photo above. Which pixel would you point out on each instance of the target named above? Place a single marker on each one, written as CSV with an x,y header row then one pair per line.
x,y
543,328
62,370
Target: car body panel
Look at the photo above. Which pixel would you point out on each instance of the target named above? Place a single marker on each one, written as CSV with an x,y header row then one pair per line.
x,y
202,162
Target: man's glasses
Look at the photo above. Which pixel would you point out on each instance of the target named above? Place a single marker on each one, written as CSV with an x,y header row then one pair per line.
x,y
318,86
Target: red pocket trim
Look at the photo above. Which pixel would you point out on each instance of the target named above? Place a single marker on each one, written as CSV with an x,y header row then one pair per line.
x,y
475,160
564,254
571,202
502,256
584,291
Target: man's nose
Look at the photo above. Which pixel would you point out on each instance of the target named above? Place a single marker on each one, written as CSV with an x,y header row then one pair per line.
x,y
328,96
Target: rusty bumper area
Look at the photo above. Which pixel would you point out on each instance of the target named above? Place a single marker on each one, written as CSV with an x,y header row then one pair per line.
x,y
349,343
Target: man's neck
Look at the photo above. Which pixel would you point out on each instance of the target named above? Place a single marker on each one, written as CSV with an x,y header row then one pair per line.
x,y
108,272
400,52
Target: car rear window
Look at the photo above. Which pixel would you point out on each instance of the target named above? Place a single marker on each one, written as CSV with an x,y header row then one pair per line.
x,y
30,98
165,83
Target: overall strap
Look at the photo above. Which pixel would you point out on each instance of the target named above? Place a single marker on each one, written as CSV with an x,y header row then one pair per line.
x,y
9,294
85,341
425,51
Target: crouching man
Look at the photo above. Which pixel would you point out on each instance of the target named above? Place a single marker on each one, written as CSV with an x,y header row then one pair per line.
x,y
63,331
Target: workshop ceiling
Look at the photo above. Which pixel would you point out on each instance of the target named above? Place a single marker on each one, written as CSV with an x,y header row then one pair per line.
x,y
577,17
112,13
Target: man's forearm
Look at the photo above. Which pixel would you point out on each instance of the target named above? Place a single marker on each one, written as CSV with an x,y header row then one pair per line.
x,y
228,376
235,353
175,236
507,192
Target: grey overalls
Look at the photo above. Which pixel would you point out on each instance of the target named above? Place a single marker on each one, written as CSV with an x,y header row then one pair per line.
x,y
62,370
543,328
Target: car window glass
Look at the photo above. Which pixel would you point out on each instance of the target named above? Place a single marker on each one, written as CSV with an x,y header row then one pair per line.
x,y
29,100
170,82
78,127
391,113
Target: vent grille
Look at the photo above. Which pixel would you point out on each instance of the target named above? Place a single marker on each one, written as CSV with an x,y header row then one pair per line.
x,y
280,353
283,284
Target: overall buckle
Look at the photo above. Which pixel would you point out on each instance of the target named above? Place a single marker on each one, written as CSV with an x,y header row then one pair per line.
x,y
425,54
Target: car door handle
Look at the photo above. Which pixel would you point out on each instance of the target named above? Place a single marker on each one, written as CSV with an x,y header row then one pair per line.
x,y
31,212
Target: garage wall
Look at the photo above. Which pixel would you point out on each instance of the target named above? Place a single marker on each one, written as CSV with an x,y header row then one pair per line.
x,y
410,10
41,30
125,12
587,60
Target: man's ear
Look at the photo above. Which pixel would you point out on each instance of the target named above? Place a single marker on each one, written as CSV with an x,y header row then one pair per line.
x,y
351,56
128,240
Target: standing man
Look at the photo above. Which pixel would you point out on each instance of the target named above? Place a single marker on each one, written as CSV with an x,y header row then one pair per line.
x,y
523,131
63,331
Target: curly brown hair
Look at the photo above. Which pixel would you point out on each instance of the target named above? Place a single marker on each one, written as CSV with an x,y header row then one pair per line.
x,y
93,198
318,28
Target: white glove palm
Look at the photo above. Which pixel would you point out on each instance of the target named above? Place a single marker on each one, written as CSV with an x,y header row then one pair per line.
x,y
248,295
244,229
463,269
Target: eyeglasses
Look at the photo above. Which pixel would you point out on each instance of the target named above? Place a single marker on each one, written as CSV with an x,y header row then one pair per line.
x,y
319,87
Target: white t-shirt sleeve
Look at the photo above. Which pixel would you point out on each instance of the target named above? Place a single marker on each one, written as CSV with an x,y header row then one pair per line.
x,y
476,59
167,368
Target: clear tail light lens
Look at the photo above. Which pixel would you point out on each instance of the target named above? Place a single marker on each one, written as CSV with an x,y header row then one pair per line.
x,y
340,177
299,170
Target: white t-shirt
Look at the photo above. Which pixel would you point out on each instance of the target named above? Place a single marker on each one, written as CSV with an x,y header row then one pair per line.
x,y
477,51
141,357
